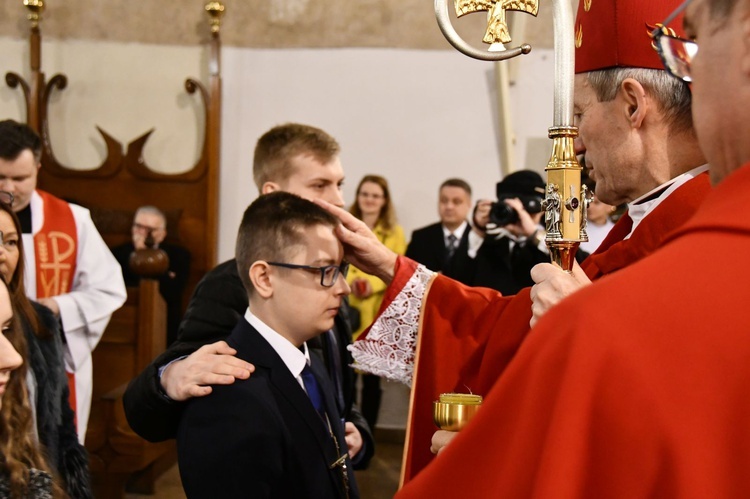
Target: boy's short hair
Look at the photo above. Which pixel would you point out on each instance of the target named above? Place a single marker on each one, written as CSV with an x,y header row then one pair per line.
x,y
276,148
457,182
17,137
272,226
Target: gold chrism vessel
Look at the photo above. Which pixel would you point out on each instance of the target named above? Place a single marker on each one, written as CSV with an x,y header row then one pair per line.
x,y
454,410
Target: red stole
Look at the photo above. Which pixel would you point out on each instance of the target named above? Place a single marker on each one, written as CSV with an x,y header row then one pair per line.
x,y
56,251
56,248
468,336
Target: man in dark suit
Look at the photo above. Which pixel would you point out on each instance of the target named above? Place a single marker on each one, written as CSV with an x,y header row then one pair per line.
x,y
435,245
507,239
279,433
149,219
295,158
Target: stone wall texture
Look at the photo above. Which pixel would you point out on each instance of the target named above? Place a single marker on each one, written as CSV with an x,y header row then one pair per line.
x,y
261,23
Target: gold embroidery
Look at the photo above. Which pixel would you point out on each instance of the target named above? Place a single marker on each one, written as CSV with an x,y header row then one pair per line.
x,y
54,249
586,5
579,36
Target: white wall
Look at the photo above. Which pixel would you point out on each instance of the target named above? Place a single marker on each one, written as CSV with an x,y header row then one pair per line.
x,y
415,117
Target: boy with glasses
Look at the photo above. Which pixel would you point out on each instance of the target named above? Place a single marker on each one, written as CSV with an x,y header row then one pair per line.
x,y
291,157
279,433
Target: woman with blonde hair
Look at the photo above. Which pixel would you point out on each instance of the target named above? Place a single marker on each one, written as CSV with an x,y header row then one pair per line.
x,y
374,207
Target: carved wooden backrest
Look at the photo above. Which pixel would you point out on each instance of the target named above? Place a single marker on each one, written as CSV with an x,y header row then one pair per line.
x,y
123,182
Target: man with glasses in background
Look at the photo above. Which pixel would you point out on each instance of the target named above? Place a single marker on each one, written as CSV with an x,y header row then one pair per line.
x,y
150,221
70,269
637,385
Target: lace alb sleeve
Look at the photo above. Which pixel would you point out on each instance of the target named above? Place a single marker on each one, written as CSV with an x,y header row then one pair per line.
x,y
388,350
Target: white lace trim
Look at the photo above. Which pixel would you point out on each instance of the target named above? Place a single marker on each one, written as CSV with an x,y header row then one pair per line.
x,y
389,348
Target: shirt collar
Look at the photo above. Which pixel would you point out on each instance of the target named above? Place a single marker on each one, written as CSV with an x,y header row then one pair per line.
x,y
641,207
458,232
294,358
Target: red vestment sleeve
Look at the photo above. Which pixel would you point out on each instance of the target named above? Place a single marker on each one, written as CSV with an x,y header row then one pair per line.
x,y
632,387
468,336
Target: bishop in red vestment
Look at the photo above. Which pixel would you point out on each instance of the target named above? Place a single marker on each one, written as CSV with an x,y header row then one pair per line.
x,y
444,337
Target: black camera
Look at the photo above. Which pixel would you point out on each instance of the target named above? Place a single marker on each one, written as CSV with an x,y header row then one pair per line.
x,y
527,186
501,214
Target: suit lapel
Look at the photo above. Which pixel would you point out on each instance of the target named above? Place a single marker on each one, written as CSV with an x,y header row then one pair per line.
x,y
252,347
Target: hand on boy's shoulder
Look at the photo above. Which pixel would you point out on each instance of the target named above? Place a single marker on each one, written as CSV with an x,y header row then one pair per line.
x,y
213,364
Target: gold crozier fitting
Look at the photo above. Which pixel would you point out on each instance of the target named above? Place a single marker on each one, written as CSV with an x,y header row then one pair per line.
x,y
215,10
35,7
497,26
564,199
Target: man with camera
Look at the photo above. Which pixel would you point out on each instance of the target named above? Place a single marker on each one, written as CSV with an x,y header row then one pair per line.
x,y
507,239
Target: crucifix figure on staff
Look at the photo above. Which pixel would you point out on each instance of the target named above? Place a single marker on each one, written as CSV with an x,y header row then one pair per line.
x,y
636,132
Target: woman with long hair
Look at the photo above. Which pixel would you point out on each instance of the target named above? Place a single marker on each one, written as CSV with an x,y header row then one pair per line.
x,y
23,469
374,207
50,421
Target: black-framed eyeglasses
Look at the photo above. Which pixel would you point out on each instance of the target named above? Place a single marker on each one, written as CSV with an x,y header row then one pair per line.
x,y
7,198
328,273
676,53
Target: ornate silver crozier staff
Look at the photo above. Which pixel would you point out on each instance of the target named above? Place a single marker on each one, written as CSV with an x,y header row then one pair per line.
x,y
566,200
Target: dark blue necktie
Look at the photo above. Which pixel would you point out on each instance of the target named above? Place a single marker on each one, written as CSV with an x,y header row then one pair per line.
x,y
313,390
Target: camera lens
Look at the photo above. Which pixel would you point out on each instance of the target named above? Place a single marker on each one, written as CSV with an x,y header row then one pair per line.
x,y
501,214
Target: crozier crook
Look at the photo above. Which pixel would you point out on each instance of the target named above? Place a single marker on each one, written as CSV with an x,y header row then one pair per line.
x,y
565,218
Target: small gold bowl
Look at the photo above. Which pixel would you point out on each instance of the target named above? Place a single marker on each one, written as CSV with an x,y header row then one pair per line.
x,y
454,410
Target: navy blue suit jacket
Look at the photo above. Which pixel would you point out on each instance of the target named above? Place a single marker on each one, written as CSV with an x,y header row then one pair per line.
x,y
262,437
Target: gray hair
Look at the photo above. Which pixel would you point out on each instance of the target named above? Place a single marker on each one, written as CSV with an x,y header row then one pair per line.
x,y
672,95
153,210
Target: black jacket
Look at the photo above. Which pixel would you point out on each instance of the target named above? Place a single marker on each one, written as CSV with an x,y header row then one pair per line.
x,y
54,417
262,437
218,303
427,246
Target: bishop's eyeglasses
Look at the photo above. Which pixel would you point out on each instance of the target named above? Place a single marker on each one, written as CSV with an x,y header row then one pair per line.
x,y
676,53
328,273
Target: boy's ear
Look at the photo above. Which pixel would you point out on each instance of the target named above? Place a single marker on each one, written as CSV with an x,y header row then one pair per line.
x,y
270,187
260,276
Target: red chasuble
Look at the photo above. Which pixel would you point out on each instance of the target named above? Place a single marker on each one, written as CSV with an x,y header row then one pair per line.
x,y
644,395
467,336
56,252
